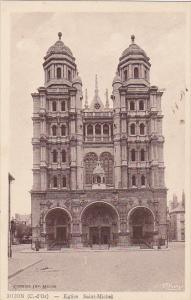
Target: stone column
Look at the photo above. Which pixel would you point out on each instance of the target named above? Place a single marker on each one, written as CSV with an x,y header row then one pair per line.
x,y
102,132
124,164
94,132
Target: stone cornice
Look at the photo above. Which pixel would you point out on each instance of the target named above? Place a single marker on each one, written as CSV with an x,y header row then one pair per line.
x,y
113,191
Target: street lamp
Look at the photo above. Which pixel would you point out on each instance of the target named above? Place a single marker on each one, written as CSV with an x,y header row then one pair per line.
x,y
10,179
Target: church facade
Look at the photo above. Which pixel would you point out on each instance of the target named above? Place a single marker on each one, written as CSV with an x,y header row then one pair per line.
x,y
98,172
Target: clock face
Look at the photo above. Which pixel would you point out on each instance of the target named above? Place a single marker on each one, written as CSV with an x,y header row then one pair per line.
x,y
97,106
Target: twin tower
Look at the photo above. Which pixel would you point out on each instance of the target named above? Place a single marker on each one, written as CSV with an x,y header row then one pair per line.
x,y
98,172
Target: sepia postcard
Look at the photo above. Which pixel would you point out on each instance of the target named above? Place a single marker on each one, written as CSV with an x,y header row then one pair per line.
x,y
95,150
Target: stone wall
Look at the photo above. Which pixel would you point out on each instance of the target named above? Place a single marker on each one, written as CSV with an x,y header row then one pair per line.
x,y
122,201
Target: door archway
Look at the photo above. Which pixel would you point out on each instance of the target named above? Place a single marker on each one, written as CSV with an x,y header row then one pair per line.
x,y
141,225
100,223
58,227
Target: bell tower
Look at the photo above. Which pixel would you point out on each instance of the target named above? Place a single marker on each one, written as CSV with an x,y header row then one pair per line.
x,y
57,123
138,139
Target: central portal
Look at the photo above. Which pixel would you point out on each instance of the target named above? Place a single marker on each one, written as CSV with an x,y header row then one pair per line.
x,y
99,225
61,235
100,235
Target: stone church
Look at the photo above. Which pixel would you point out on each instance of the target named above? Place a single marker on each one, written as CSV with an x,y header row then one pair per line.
x,y
98,172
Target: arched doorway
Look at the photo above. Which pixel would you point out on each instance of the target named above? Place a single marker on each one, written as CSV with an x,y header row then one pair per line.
x,y
58,228
141,225
99,224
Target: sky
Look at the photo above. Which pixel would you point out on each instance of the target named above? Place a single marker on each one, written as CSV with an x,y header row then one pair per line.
x,y
97,41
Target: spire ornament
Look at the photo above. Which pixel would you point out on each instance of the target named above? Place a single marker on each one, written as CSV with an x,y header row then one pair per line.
x,y
59,35
132,38
107,99
96,85
86,99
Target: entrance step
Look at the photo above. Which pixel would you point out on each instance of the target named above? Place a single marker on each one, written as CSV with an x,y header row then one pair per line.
x,y
100,247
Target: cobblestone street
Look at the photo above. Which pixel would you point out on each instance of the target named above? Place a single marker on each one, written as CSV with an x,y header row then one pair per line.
x,y
104,271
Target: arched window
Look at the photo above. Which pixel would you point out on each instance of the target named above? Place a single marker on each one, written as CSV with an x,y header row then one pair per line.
x,y
133,154
63,156
98,129
142,155
133,180
58,73
48,75
125,75
54,156
63,106
54,106
55,182
141,105
69,75
106,129
136,73
90,162
54,130
63,130
106,161
132,105
90,129
142,129
132,128
142,180
64,181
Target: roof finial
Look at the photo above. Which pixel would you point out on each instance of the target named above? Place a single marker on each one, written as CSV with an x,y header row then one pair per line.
x,y
86,99
132,38
60,35
107,99
96,85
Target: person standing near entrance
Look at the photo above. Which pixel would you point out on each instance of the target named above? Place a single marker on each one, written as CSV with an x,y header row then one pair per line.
x,y
37,245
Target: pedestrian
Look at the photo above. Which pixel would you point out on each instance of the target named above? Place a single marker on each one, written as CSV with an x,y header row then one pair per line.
x,y
37,245
159,245
108,244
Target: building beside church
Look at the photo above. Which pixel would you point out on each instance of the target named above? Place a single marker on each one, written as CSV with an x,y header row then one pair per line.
x,y
177,219
98,172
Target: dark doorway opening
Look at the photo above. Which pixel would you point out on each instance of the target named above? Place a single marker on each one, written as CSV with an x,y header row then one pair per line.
x,y
137,232
99,235
61,235
105,235
94,235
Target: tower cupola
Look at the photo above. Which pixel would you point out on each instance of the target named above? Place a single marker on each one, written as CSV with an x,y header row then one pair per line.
x,y
59,64
116,80
77,80
134,65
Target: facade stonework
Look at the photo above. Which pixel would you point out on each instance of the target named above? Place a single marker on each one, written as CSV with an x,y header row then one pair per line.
x,y
98,172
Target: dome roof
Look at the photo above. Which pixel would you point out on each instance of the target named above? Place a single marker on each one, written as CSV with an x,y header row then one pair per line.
x,y
134,49
117,78
77,79
59,47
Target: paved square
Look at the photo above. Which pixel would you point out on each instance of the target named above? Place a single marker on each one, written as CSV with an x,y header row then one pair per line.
x,y
105,271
